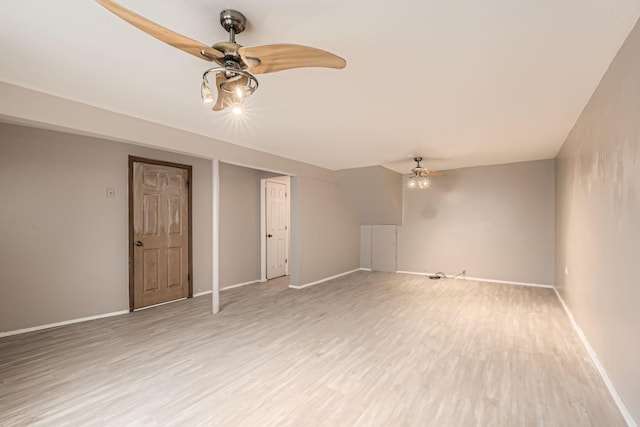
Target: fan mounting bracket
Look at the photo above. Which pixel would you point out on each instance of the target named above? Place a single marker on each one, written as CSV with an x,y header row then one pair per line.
x,y
233,21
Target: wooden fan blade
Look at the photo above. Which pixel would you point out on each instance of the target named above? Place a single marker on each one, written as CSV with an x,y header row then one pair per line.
x,y
277,57
186,44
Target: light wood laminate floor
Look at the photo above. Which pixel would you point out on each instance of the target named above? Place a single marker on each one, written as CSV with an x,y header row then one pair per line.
x,y
368,349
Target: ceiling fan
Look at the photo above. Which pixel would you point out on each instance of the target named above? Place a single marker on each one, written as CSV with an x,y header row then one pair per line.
x,y
419,176
234,78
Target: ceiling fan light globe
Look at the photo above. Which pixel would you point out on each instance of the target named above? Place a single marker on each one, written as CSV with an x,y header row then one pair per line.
x,y
423,182
206,94
412,182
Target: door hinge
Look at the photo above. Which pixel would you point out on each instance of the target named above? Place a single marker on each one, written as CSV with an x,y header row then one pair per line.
x,y
286,260
285,228
286,194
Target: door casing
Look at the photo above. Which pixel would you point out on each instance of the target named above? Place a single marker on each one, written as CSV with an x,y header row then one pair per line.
x,y
285,179
278,224
188,168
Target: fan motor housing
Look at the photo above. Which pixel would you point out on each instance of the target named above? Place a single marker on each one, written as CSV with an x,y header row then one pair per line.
x,y
233,20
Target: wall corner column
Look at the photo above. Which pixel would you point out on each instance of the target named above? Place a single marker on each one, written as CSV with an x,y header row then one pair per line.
x,y
215,262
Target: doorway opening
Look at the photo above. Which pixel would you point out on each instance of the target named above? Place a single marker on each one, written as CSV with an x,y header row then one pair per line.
x,y
160,232
275,227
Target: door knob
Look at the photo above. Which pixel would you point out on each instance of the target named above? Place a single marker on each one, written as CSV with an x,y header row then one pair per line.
x,y
138,243
269,235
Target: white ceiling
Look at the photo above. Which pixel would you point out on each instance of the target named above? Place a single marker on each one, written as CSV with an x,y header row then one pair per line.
x,y
462,83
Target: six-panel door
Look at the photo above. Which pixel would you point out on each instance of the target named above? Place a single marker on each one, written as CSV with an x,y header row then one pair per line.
x,y
276,229
160,230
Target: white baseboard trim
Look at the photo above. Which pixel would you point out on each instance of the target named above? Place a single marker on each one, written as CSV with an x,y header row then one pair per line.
x,y
85,319
66,322
159,304
481,279
507,282
323,280
594,358
241,284
199,294
364,269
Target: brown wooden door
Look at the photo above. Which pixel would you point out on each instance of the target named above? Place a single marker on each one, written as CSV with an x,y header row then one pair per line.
x,y
160,234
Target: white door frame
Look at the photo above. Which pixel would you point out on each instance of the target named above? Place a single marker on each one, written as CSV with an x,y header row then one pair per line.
x,y
286,180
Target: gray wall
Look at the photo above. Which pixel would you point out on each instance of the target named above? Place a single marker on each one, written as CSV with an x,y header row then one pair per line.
x,y
374,192
64,251
240,224
325,236
495,222
598,222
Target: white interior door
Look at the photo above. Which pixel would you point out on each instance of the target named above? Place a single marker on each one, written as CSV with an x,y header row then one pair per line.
x,y
276,219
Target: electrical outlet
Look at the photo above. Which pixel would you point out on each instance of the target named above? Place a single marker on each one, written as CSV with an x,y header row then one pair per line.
x,y
111,193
